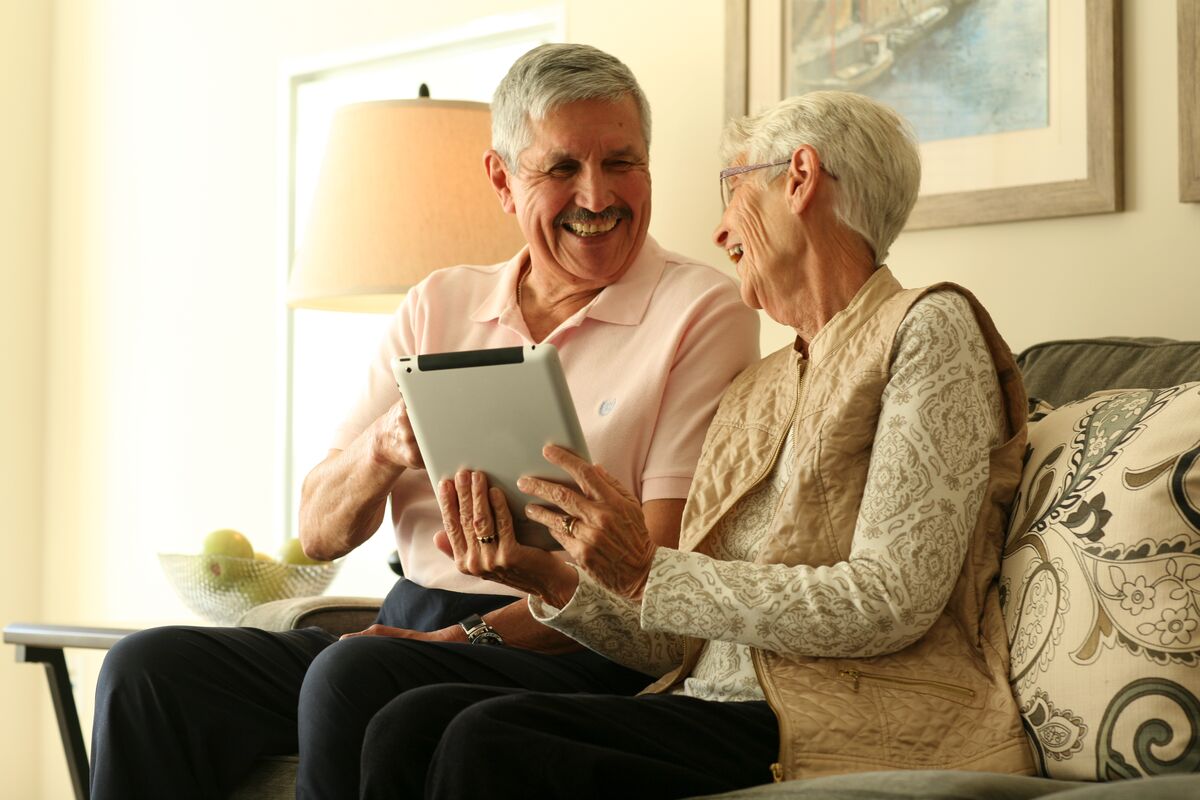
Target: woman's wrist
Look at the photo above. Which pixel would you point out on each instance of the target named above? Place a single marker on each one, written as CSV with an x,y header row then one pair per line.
x,y
558,591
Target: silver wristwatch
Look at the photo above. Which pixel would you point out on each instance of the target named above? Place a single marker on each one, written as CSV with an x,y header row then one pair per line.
x,y
479,632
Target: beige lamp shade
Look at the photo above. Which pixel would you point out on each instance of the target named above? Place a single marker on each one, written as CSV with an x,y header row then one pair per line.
x,y
402,191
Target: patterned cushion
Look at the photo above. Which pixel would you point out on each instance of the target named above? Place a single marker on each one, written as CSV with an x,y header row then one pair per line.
x,y
1100,585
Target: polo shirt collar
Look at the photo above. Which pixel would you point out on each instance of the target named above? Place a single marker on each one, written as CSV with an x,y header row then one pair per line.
x,y
622,303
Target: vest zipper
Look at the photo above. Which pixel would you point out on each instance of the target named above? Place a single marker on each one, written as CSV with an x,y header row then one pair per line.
x,y
776,704
778,445
778,770
855,676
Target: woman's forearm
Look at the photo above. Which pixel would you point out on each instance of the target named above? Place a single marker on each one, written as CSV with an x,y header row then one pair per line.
x,y
611,626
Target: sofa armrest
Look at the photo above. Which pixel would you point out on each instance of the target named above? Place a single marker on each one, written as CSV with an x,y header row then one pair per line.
x,y
337,615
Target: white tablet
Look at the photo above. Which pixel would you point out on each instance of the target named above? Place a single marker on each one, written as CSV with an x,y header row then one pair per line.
x,y
494,411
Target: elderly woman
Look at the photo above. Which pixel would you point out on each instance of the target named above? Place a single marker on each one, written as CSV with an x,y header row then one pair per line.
x,y
833,604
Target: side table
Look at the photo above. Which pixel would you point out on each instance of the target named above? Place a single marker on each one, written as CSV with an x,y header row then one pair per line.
x,y
44,644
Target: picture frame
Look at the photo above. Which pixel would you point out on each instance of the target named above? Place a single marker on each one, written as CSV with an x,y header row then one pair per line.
x,y
1188,22
756,26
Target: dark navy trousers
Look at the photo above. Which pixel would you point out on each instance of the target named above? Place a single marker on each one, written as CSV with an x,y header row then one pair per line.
x,y
462,741
183,712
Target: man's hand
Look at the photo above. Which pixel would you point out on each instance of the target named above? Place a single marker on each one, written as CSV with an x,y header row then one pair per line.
x,y
393,441
454,633
478,534
343,498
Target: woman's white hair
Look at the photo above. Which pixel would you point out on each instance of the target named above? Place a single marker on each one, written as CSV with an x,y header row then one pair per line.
x,y
549,76
868,146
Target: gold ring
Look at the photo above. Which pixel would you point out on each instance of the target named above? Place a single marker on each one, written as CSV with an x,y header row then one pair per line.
x,y
486,539
568,525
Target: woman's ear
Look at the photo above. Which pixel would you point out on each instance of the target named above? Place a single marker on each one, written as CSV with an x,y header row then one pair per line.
x,y
804,175
498,176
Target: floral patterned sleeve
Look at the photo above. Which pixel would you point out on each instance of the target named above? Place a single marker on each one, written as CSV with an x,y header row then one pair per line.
x,y
943,402
610,625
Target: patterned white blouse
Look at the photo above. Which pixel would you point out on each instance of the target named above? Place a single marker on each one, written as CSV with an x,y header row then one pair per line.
x,y
904,560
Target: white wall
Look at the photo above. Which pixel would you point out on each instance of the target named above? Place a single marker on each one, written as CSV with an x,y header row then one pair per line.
x,y
163,356
24,164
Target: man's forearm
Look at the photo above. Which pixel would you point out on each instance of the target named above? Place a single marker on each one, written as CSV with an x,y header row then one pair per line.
x,y
343,498
519,629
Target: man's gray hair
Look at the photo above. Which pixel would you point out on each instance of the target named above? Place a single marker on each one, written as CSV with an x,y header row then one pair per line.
x,y
867,145
549,76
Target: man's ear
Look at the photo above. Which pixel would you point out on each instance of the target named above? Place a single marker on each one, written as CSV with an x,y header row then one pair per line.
x,y
498,175
804,175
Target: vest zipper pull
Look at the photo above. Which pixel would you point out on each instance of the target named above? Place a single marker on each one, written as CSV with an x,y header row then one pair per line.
x,y
852,674
777,772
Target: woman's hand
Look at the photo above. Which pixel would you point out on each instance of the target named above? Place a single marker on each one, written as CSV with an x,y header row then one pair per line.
x,y
478,534
603,528
393,441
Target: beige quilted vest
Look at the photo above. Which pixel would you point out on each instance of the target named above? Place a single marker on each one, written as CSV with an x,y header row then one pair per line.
x,y
941,703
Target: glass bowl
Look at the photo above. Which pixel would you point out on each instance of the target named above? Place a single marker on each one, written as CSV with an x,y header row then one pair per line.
x,y
222,588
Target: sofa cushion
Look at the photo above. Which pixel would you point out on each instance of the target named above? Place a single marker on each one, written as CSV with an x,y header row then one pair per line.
x,y
1100,585
1066,370
945,785
905,785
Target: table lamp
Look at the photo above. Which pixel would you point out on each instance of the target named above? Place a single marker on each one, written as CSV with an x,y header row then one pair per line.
x,y
401,192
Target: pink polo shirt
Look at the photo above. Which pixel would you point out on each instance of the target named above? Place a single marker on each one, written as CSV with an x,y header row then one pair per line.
x,y
647,360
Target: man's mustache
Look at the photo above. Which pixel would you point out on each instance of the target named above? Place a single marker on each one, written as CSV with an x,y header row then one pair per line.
x,y
583,216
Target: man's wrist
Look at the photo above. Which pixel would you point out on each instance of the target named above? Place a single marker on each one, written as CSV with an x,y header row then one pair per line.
x,y
480,632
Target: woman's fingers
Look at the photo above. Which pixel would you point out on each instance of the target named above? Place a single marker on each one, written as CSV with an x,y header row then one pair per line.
x,y
566,498
583,472
554,520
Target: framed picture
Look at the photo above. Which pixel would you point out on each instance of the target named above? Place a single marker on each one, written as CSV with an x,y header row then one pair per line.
x,y
1017,103
1188,16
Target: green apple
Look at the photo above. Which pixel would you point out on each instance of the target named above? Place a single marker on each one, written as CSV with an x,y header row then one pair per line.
x,y
221,572
293,553
222,549
228,542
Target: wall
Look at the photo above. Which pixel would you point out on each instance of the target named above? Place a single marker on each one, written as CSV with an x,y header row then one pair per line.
x,y
24,165
162,351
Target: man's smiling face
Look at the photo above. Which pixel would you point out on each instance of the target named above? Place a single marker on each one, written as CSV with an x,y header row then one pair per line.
x,y
581,192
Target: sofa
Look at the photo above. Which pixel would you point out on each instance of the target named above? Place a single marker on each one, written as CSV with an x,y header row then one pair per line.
x,y
1100,587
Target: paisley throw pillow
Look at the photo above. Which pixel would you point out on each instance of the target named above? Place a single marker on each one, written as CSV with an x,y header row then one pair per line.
x,y
1100,585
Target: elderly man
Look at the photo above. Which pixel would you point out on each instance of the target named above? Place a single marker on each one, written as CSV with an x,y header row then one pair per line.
x,y
648,340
